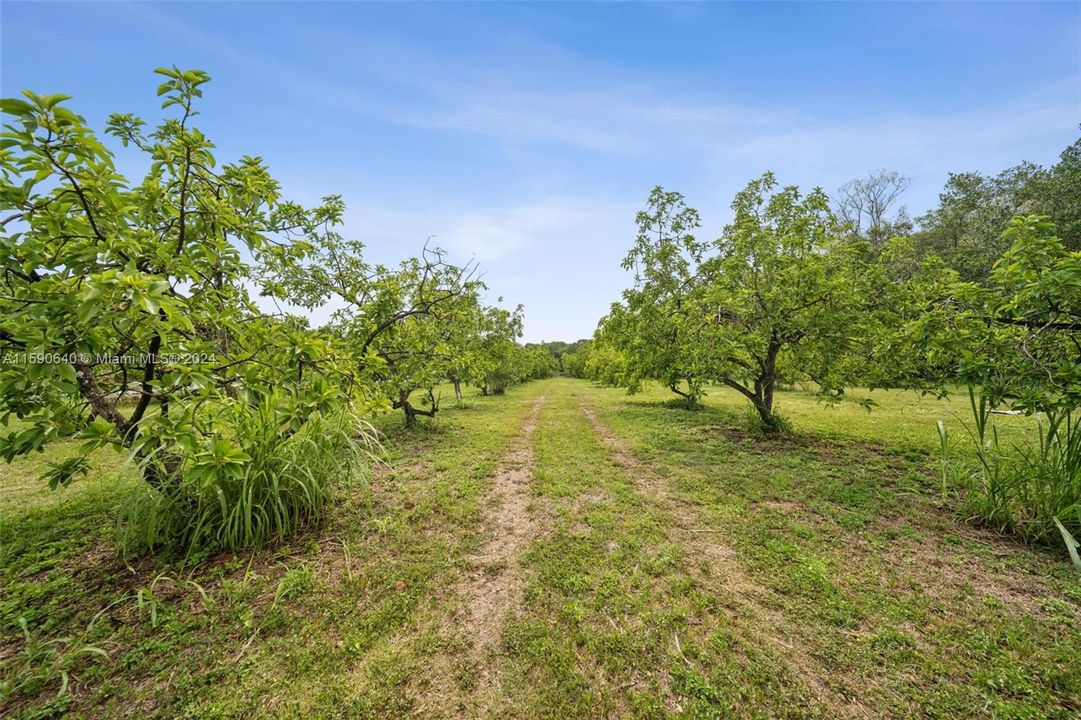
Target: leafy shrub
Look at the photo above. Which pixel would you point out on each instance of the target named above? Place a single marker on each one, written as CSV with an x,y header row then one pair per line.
x,y
127,311
248,485
1033,492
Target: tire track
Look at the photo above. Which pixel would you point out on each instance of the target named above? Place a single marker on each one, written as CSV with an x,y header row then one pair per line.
x,y
491,589
495,585
723,563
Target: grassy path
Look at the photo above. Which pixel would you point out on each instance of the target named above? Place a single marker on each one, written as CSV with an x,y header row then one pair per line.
x,y
635,606
568,551
487,590
494,588
713,564
848,593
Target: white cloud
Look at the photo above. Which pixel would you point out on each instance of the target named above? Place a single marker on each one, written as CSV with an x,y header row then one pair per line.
x,y
602,135
495,234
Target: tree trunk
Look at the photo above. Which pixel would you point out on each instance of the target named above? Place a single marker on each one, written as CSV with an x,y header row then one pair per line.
x,y
761,396
764,387
764,408
674,388
690,396
403,403
457,389
410,411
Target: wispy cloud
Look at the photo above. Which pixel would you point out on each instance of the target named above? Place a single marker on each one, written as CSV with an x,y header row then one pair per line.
x,y
582,104
575,143
494,235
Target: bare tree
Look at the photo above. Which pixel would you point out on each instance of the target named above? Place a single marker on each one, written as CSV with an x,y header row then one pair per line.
x,y
864,204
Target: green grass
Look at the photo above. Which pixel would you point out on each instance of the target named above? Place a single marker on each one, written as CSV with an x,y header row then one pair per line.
x,y
687,568
895,602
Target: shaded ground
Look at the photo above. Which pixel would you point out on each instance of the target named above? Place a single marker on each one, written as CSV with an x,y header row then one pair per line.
x,y
568,551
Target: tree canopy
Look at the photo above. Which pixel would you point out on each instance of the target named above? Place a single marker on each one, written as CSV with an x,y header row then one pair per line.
x,y
782,295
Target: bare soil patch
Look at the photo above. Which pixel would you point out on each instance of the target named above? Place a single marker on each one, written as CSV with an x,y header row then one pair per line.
x,y
490,590
495,583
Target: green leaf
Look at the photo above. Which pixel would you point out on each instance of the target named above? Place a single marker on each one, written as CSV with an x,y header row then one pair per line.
x,y
1071,545
63,473
12,106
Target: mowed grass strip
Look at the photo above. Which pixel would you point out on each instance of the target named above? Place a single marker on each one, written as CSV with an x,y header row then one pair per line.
x,y
813,575
618,619
914,612
305,629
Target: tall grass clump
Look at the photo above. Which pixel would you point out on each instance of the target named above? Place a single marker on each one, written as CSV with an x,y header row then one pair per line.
x,y
1032,491
751,422
250,484
43,663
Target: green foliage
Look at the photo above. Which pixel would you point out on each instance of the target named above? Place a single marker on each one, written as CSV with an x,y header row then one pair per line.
x,y
1034,492
659,325
791,296
536,362
122,293
498,350
965,230
782,296
575,361
1012,341
1013,337
247,485
407,328
41,664
495,360
606,362
559,349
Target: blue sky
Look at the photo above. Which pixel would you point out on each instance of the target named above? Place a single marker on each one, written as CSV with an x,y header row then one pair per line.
x,y
527,135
